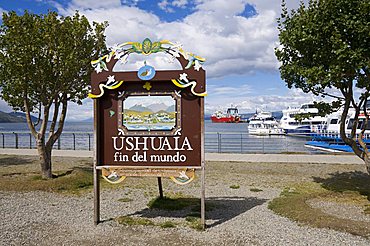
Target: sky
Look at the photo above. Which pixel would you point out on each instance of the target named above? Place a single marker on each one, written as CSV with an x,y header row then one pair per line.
x,y
237,38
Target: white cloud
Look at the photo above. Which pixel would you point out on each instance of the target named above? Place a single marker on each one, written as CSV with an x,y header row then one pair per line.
x,y
223,7
231,44
4,106
236,91
180,3
168,6
241,96
163,5
131,2
80,112
88,4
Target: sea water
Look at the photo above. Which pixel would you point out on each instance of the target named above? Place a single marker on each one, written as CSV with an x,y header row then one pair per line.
x,y
219,137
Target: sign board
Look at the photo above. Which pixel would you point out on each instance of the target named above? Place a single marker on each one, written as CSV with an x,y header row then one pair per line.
x,y
148,122
149,118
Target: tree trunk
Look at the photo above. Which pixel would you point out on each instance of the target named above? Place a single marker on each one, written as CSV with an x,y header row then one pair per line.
x,y
367,163
45,158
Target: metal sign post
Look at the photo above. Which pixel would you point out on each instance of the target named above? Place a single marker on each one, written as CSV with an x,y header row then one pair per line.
x,y
148,122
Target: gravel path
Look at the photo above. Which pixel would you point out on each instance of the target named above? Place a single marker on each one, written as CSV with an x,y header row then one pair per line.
x,y
240,217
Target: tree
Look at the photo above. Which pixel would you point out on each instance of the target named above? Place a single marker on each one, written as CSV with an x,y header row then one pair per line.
x,y
325,50
44,64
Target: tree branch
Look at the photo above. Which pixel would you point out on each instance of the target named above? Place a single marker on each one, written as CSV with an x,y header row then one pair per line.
x,y
363,128
28,117
348,141
62,118
44,120
328,94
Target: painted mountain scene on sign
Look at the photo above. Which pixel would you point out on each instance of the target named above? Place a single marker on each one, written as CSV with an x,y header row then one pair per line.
x,y
149,113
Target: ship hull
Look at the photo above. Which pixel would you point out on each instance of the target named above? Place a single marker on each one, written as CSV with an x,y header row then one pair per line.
x,y
223,119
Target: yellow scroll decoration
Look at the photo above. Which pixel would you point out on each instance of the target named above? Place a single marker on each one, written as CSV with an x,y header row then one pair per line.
x,y
102,86
193,84
112,176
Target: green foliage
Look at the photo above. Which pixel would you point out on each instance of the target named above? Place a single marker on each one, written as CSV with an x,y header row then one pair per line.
x,y
324,49
325,45
44,56
168,224
348,181
44,64
128,220
72,182
194,223
255,190
125,199
234,186
293,203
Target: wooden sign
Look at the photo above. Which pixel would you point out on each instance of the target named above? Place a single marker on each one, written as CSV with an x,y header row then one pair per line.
x,y
148,122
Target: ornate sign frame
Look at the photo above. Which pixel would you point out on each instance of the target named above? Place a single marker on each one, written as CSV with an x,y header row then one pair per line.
x,y
143,140
177,98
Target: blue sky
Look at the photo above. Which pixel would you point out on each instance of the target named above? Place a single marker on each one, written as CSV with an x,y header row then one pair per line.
x,y
237,37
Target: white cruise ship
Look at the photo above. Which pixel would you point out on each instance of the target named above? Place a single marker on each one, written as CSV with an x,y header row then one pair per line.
x,y
332,124
263,123
305,127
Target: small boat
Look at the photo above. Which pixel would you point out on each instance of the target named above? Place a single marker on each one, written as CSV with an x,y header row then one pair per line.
x,y
264,123
231,116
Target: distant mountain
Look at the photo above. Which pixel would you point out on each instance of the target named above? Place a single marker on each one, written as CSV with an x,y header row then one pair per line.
x,y
155,107
7,118
23,116
14,117
162,112
171,108
141,108
89,120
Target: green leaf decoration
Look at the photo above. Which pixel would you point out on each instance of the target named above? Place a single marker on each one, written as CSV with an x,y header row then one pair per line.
x,y
111,113
137,47
147,46
156,47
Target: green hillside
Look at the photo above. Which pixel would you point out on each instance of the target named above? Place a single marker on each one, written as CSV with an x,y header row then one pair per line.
x,y
136,113
7,118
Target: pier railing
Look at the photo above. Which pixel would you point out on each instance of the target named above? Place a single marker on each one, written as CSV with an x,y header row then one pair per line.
x,y
231,142
216,142
67,141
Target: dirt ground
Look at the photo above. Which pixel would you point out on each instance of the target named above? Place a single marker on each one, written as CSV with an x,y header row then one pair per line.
x,y
238,194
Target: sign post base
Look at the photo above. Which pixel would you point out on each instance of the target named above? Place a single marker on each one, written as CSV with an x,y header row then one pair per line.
x,y
160,187
96,196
